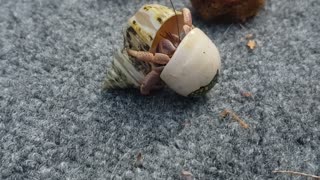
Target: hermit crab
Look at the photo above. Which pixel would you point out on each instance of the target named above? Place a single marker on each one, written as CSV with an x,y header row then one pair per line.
x,y
163,48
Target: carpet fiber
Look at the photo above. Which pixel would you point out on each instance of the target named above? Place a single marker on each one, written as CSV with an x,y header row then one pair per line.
x,y
57,123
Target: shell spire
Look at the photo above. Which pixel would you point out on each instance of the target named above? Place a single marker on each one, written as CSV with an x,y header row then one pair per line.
x,y
123,73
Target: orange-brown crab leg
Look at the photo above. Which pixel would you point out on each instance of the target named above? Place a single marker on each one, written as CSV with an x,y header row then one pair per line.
x,y
166,47
158,58
151,81
187,20
175,39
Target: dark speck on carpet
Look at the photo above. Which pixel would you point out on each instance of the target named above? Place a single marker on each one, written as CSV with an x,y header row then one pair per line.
x,y
57,123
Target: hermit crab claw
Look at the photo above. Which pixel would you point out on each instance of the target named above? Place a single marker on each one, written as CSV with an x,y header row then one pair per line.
x,y
194,67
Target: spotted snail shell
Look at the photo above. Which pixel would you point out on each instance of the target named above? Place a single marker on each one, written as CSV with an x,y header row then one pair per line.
x,y
193,68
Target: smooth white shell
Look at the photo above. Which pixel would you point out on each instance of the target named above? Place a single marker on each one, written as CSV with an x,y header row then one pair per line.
x,y
194,64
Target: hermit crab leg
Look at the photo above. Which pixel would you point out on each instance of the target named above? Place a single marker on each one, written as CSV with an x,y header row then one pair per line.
x,y
187,20
173,38
158,58
166,47
151,81
187,17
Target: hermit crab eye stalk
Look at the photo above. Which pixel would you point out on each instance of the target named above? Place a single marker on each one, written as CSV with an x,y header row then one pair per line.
x,y
163,48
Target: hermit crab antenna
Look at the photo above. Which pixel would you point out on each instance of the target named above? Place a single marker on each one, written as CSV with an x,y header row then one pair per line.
x,y
174,9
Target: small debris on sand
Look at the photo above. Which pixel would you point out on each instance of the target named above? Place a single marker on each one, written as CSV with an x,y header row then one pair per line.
x,y
139,161
251,44
297,173
186,175
246,94
235,117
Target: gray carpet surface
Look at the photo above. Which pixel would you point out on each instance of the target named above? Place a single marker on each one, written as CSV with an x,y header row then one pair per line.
x,y
56,123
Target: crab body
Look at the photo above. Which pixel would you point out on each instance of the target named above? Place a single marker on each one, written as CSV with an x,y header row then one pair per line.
x,y
162,47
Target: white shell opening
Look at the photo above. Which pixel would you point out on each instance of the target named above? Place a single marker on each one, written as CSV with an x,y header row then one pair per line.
x,y
194,64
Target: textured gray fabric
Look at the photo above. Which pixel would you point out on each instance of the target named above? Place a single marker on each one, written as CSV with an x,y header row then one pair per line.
x,y
57,124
